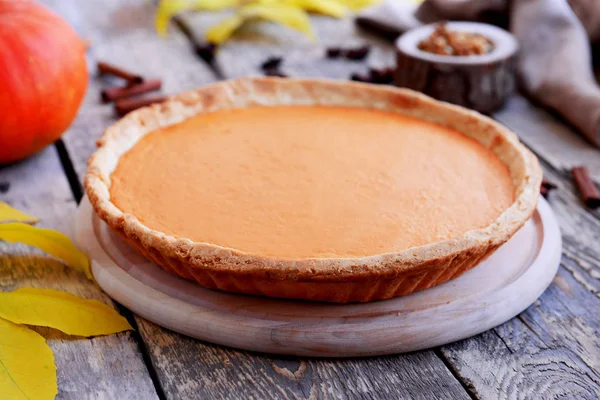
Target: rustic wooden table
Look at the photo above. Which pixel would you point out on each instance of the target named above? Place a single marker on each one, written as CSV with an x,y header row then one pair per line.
x,y
551,350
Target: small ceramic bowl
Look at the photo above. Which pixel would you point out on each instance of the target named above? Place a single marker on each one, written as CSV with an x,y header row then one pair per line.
x,y
481,82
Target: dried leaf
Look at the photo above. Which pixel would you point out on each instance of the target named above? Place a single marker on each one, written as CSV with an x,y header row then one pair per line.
x,y
356,5
27,369
216,5
167,9
269,10
10,214
284,14
333,8
61,310
51,241
222,31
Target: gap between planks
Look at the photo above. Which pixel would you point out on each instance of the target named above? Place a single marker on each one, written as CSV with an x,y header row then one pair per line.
x,y
77,192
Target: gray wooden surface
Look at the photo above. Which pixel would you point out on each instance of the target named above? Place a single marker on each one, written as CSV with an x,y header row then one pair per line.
x,y
552,350
103,367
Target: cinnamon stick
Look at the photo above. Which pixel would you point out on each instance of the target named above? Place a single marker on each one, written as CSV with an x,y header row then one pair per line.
x,y
124,106
588,190
120,92
271,63
106,68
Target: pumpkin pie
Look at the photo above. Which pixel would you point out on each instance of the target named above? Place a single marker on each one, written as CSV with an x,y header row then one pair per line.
x,y
307,189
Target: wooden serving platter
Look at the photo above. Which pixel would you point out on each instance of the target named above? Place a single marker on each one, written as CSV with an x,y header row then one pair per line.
x,y
495,291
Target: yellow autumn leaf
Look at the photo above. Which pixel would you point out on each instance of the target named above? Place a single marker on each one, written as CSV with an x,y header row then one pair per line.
x,y
52,242
215,5
356,5
284,14
273,11
27,369
10,214
332,8
222,31
61,310
167,9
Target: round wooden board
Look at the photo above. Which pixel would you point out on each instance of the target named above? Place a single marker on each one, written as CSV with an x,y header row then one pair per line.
x,y
488,295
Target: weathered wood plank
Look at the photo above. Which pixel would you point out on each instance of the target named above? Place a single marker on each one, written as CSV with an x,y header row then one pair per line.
x,y
39,186
87,368
553,348
553,140
191,369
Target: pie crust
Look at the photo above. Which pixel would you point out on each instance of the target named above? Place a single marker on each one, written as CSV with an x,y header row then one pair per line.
x,y
338,280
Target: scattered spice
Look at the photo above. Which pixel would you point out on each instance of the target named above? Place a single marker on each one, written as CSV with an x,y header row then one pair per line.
x,y
358,54
354,54
272,63
206,51
333,52
120,92
125,106
455,43
547,187
381,76
588,190
360,78
109,69
275,73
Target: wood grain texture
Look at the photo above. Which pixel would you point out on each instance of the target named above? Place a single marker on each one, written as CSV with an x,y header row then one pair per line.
x,y
552,349
191,369
554,141
86,368
38,186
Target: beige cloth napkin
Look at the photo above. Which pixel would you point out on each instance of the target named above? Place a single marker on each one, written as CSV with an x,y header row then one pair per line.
x,y
555,63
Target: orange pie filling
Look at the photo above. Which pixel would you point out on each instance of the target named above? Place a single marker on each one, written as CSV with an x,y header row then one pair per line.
x,y
311,181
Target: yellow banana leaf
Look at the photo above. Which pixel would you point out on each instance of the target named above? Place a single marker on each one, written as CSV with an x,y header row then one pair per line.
x,y
27,369
61,310
284,14
333,8
10,214
48,240
222,31
167,9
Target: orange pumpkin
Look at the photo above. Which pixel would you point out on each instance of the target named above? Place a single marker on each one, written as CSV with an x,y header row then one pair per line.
x,y
43,77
